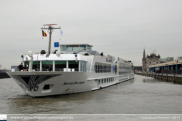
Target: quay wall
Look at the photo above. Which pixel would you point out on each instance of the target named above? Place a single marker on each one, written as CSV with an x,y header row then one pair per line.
x,y
163,77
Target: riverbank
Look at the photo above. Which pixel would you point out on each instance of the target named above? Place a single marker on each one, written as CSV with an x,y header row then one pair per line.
x,y
175,78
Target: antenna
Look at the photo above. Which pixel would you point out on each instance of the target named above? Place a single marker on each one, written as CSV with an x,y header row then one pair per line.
x,y
50,30
49,24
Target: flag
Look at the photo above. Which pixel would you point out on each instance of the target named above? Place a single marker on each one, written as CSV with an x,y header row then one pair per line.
x,y
44,34
61,32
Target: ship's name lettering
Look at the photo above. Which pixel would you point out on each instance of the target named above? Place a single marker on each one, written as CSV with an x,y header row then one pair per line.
x,y
73,83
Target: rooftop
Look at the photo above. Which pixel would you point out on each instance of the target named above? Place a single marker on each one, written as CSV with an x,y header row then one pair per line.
x,y
167,63
76,44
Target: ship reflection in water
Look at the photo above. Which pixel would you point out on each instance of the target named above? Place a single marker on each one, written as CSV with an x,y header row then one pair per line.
x,y
141,95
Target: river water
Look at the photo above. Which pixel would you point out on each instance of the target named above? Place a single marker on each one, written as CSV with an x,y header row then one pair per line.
x,y
141,95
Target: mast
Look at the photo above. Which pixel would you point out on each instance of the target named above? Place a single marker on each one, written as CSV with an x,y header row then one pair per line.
x,y
50,30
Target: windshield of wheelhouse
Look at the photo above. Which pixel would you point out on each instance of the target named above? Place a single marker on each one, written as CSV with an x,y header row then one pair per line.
x,y
52,66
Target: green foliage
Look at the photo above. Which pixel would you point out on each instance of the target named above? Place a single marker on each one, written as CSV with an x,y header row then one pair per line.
x,y
86,54
42,52
55,51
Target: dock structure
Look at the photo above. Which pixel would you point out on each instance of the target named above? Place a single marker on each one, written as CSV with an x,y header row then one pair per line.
x,y
175,78
173,67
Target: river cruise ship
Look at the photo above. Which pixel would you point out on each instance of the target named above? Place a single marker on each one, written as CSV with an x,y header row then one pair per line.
x,y
72,69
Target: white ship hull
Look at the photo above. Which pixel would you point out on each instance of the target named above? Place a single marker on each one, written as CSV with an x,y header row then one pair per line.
x,y
33,83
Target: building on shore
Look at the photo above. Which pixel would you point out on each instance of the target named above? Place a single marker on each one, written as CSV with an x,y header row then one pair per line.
x,y
167,59
144,62
179,58
149,60
137,68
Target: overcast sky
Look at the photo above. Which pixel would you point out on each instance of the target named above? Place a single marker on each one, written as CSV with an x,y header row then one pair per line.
x,y
121,28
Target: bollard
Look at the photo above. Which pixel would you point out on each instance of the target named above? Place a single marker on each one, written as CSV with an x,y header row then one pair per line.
x,y
161,76
174,77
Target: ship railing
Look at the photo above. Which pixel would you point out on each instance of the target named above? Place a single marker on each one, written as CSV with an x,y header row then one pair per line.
x,y
56,70
68,70
75,70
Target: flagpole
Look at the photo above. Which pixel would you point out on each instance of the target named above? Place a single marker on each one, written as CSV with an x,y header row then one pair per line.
x,y
49,46
50,30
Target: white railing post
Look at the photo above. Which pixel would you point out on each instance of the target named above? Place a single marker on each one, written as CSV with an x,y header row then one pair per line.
x,y
53,66
40,65
30,63
67,66
79,66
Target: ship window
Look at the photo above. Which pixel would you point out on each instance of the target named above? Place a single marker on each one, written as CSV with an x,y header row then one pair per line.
x,y
84,46
63,47
96,67
115,69
26,64
102,67
36,65
73,65
46,87
60,65
83,66
45,65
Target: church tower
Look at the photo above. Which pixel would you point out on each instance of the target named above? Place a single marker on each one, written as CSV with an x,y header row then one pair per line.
x,y
144,61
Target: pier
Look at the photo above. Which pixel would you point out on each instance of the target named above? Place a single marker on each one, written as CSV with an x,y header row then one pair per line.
x,y
175,78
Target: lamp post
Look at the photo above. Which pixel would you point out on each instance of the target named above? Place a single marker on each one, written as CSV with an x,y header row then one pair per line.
x,y
167,71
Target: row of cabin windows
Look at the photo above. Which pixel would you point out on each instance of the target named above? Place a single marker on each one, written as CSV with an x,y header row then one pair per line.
x,y
124,66
106,80
102,67
59,65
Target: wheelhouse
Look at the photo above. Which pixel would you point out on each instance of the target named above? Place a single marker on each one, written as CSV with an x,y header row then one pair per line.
x,y
75,47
